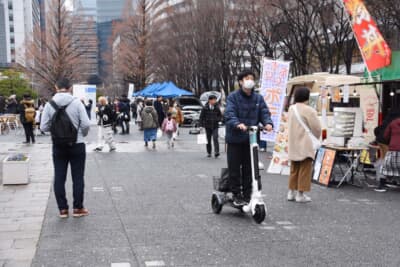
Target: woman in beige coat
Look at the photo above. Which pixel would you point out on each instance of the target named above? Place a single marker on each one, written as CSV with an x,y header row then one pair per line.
x,y
301,152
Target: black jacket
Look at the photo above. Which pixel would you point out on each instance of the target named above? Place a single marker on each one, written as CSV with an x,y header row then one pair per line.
x,y
210,118
12,108
160,111
107,115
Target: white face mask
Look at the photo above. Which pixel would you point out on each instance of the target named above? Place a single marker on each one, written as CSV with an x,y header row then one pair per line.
x,y
249,84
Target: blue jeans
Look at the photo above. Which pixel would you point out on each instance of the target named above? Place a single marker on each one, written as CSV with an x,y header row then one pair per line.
x,y
74,155
262,144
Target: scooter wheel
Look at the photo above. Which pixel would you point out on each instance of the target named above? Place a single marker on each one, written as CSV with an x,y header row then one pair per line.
x,y
216,204
259,214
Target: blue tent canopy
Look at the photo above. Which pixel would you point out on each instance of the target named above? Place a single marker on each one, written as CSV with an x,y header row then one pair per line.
x,y
166,89
171,90
148,90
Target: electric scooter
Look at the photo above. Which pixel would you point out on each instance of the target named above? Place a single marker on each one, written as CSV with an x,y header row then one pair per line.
x,y
256,207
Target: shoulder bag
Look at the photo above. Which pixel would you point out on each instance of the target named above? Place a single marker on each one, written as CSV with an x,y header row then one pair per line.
x,y
316,143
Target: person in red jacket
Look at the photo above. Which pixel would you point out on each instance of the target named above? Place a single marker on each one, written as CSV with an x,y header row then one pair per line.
x,y
391,166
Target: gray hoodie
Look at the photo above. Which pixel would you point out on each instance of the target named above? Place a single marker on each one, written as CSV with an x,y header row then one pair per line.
x,y
76,112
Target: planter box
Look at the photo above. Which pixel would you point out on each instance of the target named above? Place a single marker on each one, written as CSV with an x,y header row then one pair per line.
x,y
15,172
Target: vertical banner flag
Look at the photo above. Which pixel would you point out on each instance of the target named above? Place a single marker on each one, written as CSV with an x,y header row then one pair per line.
x,y
130,91
375,50
274,80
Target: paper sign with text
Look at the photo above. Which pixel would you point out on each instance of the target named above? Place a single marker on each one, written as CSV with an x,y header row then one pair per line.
x,y
274,80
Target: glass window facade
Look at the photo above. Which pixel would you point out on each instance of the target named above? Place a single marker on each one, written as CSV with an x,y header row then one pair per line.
x,y
3,37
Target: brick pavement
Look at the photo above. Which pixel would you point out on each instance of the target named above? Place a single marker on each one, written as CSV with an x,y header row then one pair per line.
x,y
22,208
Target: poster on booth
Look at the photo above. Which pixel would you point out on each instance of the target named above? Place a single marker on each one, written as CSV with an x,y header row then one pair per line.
x,y
86,92
280,156
370,106
274,78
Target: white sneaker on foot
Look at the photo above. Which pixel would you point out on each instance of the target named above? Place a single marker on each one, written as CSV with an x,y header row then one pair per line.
x,y
291,196
302,198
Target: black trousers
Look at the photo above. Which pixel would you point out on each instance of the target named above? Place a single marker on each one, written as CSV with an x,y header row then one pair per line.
x,y
74,155
124,126
212,134
28,128
239,165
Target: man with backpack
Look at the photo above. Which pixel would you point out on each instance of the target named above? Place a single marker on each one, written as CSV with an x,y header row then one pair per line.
x,y
66,118
27,114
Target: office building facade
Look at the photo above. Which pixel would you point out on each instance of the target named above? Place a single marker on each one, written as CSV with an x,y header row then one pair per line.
x,y
17,22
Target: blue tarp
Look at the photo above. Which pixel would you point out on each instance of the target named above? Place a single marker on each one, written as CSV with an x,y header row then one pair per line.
x,y
166,89
149,89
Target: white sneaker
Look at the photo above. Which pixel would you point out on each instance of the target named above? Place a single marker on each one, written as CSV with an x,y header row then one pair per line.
x,y
291,196
302,198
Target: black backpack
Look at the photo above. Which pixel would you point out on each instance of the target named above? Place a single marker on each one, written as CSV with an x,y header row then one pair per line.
x,y
63,131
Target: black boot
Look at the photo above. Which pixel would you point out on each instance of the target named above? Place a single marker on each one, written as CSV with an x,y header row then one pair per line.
x,y
382,186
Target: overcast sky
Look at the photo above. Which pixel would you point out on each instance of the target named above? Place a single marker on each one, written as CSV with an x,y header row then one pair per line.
x,y
68,3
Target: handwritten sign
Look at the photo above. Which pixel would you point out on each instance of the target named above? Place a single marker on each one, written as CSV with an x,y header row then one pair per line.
x,y
327,166
369,103
280,163
274,80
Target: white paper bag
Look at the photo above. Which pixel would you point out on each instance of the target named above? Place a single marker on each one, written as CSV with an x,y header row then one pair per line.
x,y
202,139
159,134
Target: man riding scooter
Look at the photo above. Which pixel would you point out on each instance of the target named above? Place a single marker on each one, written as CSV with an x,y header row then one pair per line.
x,y
244,108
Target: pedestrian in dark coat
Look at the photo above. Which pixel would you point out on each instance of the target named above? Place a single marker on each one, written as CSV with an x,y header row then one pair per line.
x,y
124,107
210,117
12,105
159,106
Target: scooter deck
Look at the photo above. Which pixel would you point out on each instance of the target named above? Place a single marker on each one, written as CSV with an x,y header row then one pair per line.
x,y
228,200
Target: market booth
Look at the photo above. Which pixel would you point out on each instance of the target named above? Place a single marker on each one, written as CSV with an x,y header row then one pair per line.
x,y
387,82
349,113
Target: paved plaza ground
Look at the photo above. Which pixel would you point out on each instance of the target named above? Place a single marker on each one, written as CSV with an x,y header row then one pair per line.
x,y
152,208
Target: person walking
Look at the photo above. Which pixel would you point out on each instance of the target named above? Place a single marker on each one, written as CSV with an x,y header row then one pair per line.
x,y
244,108
177,115
139,121
106,120
118,120
88,108
210,117
391,165
27,114
301,151
150,124
134,110
66,118
12,105
125,113
43,102
169,127
159,107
